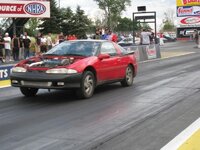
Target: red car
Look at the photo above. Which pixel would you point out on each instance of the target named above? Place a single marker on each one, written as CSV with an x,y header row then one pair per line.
x,y
81,65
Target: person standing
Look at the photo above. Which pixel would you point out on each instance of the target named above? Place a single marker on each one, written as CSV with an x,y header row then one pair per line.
x,y
145,40
61,37
15,47
26,44
38,44
1,49
21,49
43,44
49,42
7,46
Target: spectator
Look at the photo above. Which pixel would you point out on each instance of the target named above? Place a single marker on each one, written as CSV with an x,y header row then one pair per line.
x,y
43,44
145,40
26,44
21,49
97,35
49,42
112,36
38,44
15,47
69,37
73,37
7,46
105,36
1,49
61,37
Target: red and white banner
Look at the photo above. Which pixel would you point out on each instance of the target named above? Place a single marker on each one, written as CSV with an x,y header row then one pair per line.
x,y
24,9
193,21
188,11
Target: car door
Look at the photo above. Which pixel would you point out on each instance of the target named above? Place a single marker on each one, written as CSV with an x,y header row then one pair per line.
x,y
107,68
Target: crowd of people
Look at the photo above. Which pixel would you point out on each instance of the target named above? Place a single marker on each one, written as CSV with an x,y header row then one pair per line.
x,y
19,48
107,35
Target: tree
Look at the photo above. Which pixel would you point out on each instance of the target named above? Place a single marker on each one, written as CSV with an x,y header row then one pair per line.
x,y
113,10
67,23
52,24
168,22
124,24
81,23
31,26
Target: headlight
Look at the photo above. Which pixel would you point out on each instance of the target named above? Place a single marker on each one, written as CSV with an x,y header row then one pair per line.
x,y
61,71
18,69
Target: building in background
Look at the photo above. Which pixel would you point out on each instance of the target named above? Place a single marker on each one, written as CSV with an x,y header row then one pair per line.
x,y
188,18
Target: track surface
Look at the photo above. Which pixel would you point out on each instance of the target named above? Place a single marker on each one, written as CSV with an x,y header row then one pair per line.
x,y
163,101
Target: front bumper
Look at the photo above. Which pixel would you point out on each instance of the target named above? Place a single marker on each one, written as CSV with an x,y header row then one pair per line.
x,y
45,81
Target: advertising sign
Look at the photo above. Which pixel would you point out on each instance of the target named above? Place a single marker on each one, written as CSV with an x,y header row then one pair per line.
x,y
151,51
188,2
189,21
188,11
5,72
25,9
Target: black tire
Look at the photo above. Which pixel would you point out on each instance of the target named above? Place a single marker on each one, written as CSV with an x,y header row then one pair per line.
x,y
28,92
88,83
128,80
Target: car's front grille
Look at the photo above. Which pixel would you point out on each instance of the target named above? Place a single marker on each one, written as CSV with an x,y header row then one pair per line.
x,y
39,84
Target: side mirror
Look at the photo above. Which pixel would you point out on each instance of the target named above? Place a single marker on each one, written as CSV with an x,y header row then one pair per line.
x,y
103,56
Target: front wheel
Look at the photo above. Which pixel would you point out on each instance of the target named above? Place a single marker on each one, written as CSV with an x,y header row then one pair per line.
x,y
128,80
28,92
87,85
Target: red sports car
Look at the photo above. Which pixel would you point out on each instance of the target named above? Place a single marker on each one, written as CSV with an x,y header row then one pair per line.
x,y
81,65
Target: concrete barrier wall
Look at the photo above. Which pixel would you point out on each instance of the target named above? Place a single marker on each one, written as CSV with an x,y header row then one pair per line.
x,y
145,52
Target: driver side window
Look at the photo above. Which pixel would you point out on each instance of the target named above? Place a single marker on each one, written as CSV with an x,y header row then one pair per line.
x,y
108,48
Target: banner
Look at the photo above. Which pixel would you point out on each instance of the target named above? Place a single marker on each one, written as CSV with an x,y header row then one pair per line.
x,y
25,9
188,2
5,72
188,11
189,21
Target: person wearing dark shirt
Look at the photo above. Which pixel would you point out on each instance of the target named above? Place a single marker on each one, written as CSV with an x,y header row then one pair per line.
x,y
1,48
38,43
26,43
21,49
15,47
61,38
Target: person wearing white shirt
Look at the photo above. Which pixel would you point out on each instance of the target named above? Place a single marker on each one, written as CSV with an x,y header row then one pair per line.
x,y
49,42
7,46
145,40
43,44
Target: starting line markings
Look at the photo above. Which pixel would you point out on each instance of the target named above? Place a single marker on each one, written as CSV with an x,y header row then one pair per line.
x,y
189,139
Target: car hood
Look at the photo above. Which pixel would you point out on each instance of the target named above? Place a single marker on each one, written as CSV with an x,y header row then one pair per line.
x,y
49,62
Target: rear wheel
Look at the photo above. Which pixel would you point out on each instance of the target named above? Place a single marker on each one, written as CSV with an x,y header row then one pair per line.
x,y
28,92
87,85
128,80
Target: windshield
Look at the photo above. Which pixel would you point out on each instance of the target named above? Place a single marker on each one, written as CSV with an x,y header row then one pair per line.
x,y
75,48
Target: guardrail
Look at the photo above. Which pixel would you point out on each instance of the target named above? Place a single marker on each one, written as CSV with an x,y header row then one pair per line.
x,y
145,52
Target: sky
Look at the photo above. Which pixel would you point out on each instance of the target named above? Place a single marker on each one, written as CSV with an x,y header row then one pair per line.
x,y
92,10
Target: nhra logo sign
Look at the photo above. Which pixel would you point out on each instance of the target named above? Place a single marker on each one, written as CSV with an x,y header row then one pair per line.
x,y
25,9
35,8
